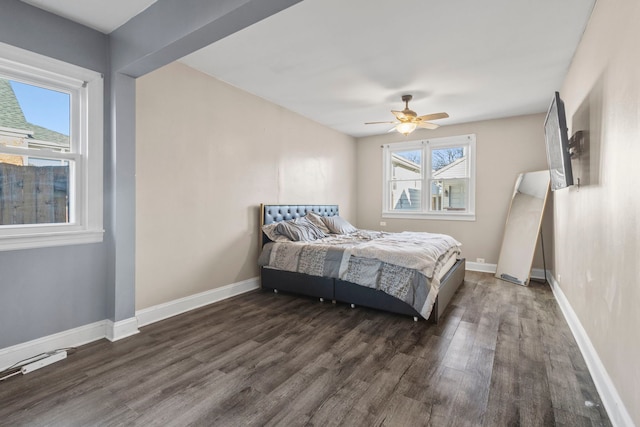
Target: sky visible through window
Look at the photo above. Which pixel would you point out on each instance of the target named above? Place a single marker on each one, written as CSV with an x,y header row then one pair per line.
x,y
43,107
413,155
440,158
444,157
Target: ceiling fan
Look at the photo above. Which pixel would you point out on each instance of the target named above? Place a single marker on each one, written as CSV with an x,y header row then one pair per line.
x,y
407,120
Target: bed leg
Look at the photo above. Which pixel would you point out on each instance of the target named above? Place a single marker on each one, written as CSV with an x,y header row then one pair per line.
x,y
321,299
415,318
275,291
353,306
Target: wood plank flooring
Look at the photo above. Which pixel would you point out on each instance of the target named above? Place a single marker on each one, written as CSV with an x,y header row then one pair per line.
x,y
502,356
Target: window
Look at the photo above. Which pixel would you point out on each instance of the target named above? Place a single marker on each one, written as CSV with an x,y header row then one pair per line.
x,y
51,130
433,178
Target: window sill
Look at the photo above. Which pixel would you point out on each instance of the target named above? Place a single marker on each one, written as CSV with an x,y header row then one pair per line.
x,y
431,216
48,239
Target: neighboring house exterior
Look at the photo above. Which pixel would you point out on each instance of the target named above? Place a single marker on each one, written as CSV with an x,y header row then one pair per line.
x,y
405,192
448,190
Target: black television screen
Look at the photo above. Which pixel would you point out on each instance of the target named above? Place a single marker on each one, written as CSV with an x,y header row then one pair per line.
x,y
557,142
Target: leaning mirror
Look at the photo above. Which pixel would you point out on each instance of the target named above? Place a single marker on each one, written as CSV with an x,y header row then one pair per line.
x,y
523,227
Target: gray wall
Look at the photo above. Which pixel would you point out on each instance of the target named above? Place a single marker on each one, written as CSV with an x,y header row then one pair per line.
x,y
166,31
44,291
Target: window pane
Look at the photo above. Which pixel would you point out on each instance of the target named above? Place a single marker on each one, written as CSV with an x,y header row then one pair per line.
x,y
406,180
33,116
35,193
449,195
443,157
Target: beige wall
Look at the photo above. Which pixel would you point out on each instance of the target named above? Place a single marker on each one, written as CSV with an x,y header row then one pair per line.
x,y
597,227
504,148
207,154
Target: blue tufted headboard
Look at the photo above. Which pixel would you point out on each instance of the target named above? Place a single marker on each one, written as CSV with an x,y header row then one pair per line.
x,y
277,213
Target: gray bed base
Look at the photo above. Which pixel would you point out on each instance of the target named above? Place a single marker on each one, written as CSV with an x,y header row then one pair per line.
x,y
327,288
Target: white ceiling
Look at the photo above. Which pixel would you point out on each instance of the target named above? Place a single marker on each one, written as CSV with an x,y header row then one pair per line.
x,y
343,63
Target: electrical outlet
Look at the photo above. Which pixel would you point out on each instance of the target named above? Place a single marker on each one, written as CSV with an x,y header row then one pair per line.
x,y
383,223
480,260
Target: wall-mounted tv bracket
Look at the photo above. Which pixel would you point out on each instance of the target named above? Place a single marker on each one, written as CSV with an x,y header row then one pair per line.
x,y
575,143
575,148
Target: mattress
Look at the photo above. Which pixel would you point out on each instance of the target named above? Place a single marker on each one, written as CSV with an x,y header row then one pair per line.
x,y
447,264
443,271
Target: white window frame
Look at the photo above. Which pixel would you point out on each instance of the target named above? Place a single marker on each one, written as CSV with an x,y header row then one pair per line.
x,y
87,130
427,145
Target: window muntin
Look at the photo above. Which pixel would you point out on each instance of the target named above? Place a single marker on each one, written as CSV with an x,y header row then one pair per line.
x,y
50,171
432,178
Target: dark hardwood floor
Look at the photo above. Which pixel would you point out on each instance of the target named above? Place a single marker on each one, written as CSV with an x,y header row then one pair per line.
x,y
502,356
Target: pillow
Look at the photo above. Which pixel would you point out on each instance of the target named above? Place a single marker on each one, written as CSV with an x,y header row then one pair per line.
x,y
299,229
317,221
338,225
270,231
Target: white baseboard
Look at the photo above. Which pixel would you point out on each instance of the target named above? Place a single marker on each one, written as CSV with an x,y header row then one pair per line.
x,y
616,409
536,273
481,267
70,338
115,331
163,311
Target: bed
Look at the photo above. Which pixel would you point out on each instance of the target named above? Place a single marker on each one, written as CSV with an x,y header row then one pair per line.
x,y
355,267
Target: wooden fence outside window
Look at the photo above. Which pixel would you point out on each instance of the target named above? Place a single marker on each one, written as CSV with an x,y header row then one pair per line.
x,y
33,194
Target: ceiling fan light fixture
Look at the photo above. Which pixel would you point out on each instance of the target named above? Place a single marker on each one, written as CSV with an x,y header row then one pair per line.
x,y
406,128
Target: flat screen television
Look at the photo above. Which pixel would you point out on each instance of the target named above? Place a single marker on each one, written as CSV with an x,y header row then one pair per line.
x,y
557,142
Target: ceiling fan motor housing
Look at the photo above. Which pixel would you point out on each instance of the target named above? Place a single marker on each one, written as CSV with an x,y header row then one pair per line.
x,y
407,111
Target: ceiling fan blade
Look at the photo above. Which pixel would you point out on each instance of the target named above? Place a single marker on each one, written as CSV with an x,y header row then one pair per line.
x,y
428,125
434,116
391,130
400,115
377,123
